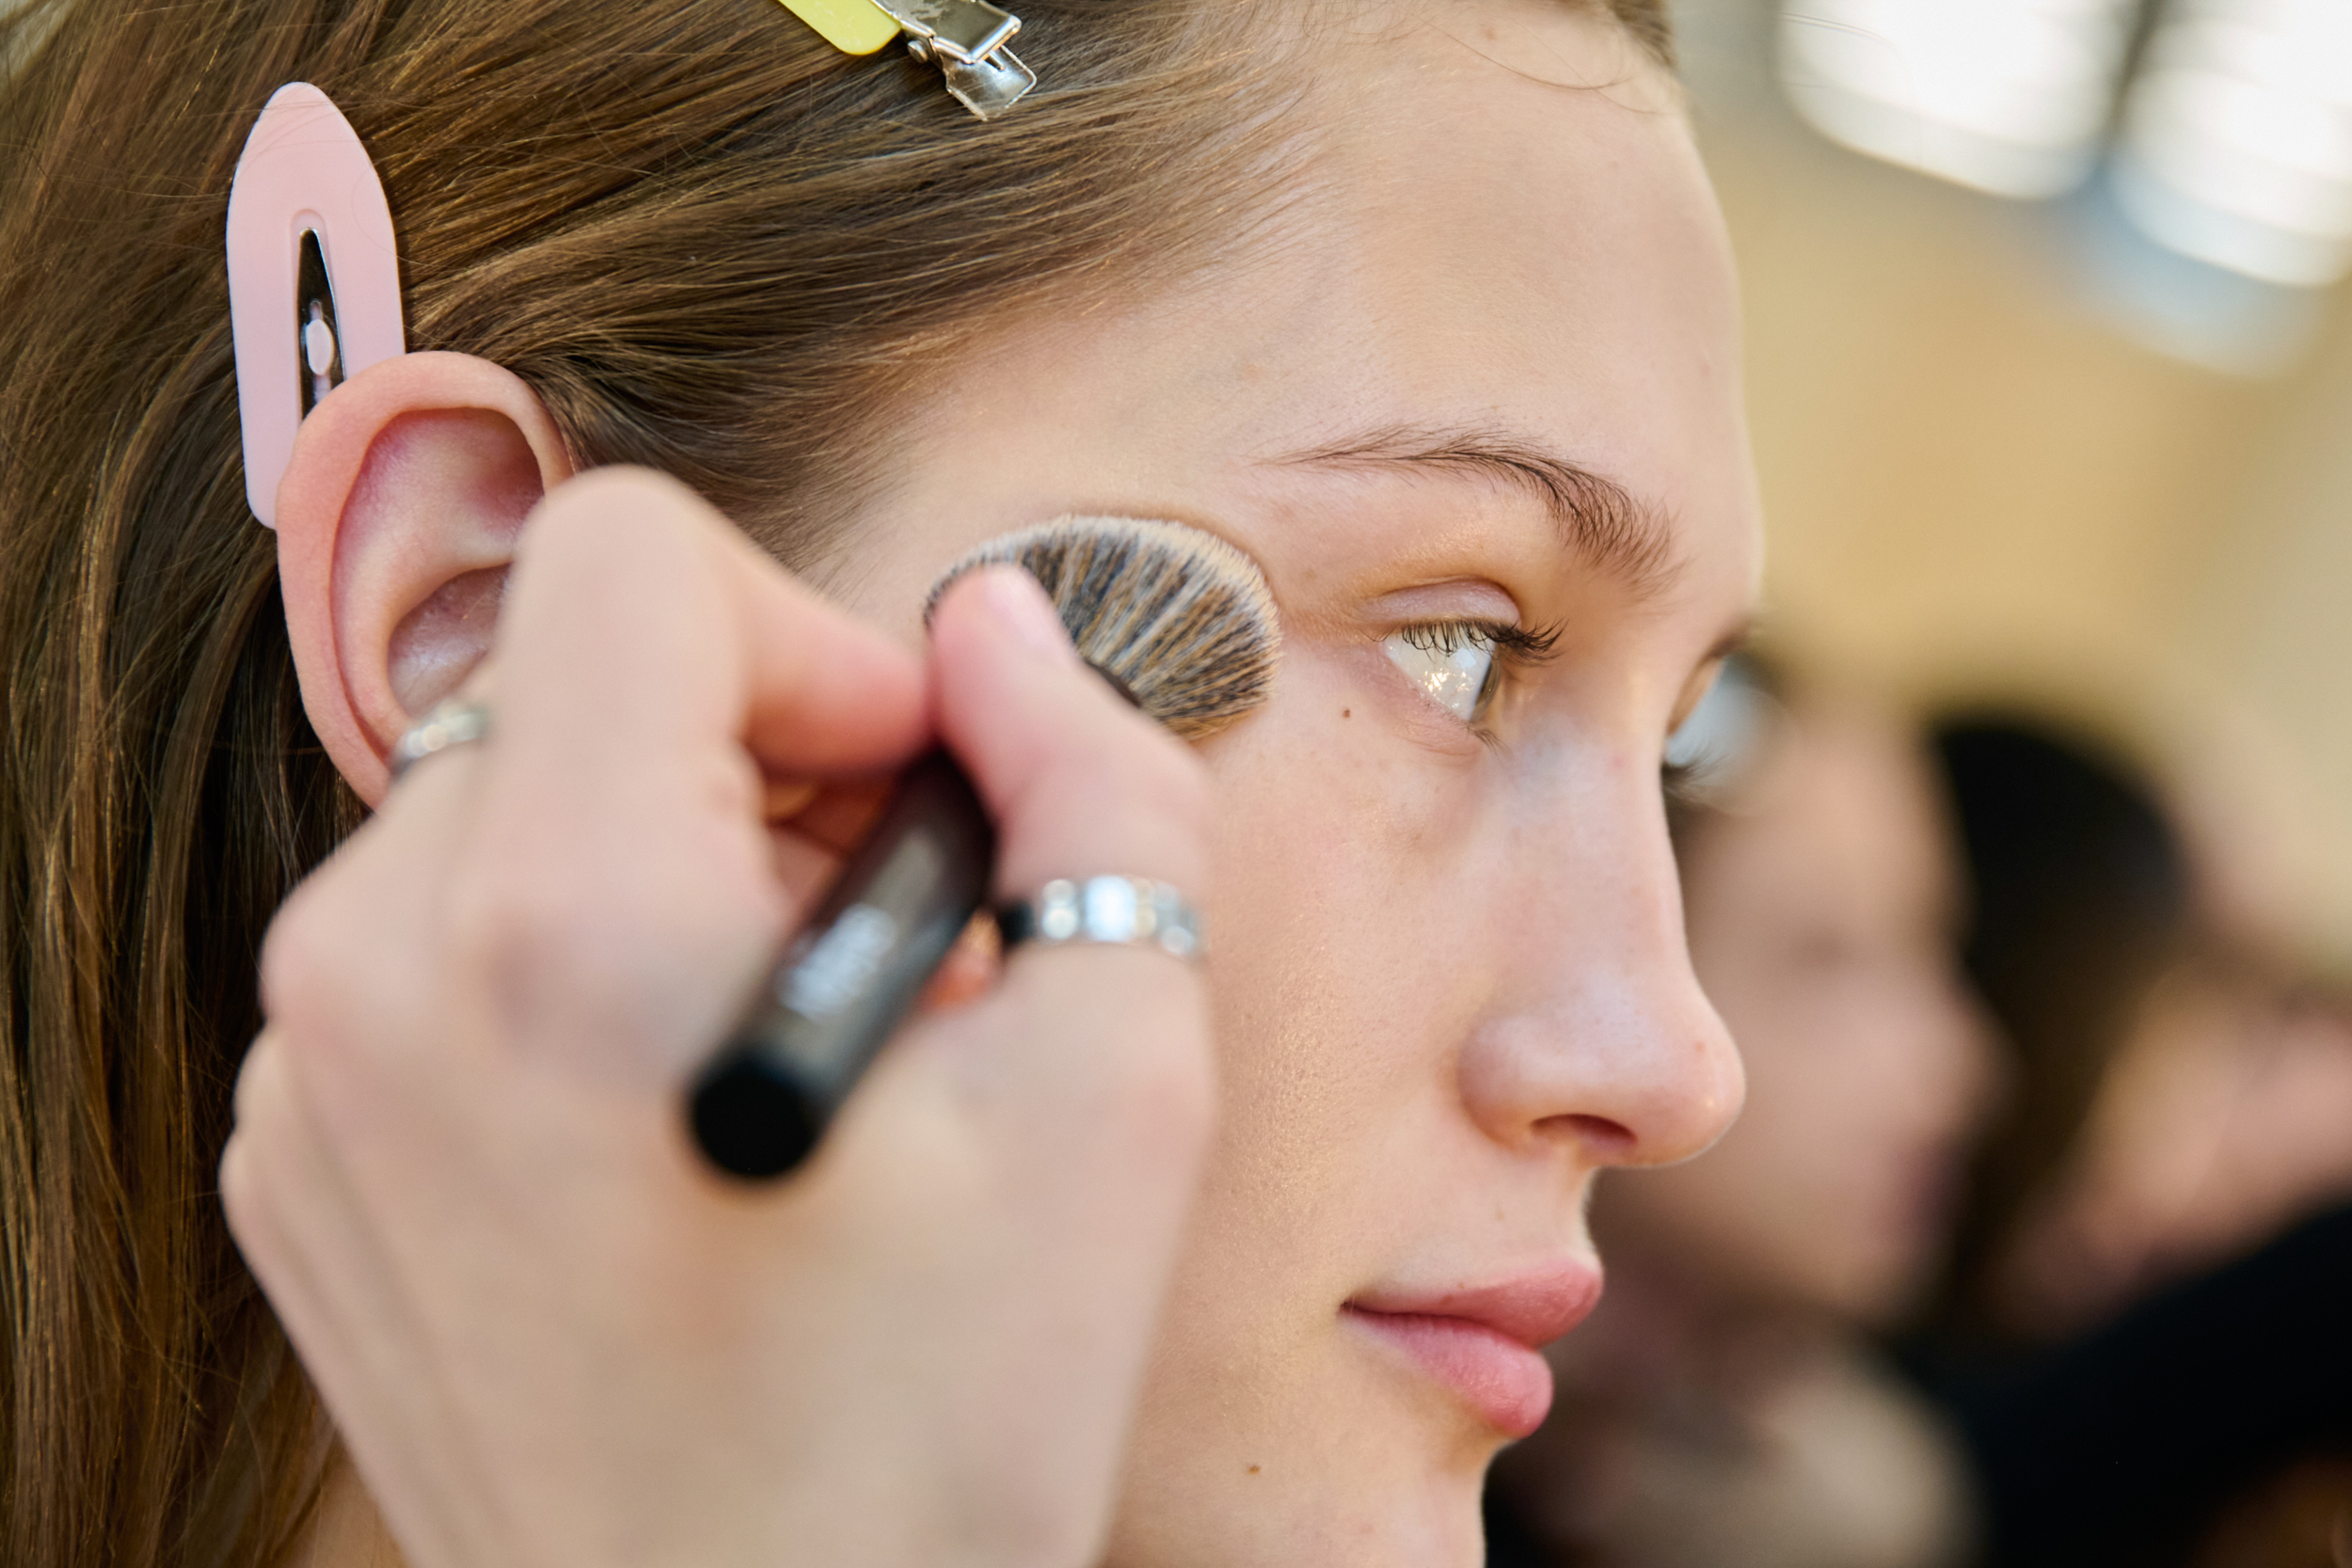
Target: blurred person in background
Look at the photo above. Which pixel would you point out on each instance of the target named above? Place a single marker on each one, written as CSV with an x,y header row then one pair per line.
x,y
2225,1118
2080,890
1724,1407
2146,1371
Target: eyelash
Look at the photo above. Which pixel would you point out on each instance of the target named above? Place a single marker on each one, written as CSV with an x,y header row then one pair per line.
x,y
1516,647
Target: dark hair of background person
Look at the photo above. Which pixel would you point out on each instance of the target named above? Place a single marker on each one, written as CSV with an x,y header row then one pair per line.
x,y
2209,1425
710,243
2081,894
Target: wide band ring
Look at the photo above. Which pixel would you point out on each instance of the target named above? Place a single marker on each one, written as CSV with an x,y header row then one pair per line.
x,y
1125,911
453,721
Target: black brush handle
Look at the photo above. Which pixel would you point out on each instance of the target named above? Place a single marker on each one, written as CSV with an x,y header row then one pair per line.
x,y
903,898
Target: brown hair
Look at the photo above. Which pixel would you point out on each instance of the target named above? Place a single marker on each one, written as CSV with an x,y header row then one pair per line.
x,y
666,218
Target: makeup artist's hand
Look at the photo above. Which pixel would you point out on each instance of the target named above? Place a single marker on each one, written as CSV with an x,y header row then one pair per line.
x,y
548,1334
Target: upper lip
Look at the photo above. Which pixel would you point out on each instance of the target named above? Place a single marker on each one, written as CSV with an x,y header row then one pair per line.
x,y
1534,1307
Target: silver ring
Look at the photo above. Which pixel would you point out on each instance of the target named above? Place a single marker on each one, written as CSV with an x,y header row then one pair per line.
x,y
453,721
1125,912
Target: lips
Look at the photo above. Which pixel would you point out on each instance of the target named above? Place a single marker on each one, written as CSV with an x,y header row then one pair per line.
x,y
1484,1342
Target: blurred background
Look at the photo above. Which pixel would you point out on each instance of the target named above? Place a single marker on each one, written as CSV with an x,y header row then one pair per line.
x,y
2050,381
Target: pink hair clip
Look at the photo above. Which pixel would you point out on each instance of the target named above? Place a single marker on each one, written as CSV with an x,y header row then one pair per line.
x,y
313,280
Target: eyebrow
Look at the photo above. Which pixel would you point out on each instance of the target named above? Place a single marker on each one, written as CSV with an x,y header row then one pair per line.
x,y
1598,520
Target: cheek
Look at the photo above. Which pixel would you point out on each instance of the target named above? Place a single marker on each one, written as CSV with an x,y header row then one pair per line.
x,y
1814,1180
1346,960
1806,1132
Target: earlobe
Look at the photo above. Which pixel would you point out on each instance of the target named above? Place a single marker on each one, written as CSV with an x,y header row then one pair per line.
x,y
396,522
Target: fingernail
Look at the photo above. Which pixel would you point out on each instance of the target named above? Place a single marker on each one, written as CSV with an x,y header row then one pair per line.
x,y
1020,606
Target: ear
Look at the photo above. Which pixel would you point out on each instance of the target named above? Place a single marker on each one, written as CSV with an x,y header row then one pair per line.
x,y
396,523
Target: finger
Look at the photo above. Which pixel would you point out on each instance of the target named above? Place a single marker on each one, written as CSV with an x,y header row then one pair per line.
x,y
618,900
302,1231
349,965
639,617
254,1186
1077,1099
840,816
1078,783
1088,1059
968,972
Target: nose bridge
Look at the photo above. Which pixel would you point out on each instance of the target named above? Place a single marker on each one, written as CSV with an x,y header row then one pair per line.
x,y
1601,1033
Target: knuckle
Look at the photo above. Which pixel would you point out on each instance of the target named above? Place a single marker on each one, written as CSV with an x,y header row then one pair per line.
x,y
543,947
338,977
310,957
532,900
286,969
244,1194
256,1084
241,1191
505,920
261,1107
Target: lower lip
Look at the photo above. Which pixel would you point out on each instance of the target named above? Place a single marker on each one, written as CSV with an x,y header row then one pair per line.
x,y
1508,1384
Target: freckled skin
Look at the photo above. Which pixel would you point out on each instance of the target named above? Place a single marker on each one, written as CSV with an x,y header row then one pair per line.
x,y
1448,967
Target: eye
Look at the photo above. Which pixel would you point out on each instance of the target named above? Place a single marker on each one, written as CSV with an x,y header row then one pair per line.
x,y
1717,743
1452,662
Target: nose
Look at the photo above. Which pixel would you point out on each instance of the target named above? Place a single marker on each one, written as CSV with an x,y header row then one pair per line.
x,y
1963,1070
1598,1039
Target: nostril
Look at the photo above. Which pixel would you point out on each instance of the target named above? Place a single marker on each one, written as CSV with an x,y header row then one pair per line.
x,y
1605,1142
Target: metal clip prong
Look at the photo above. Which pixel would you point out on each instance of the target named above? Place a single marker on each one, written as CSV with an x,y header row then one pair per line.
x,y
970,41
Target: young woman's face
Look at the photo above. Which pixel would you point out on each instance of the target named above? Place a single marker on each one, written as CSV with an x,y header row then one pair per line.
x,y
1484,374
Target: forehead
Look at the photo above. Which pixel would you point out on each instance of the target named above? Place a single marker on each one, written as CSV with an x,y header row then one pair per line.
x,y
1512,214
1493,218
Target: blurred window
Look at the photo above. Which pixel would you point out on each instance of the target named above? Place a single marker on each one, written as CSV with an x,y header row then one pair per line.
x,y
2230,144
2237,140
2009,96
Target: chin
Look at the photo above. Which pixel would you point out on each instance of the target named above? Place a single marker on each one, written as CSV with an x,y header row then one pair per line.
x,y
1309,1526
1348,1466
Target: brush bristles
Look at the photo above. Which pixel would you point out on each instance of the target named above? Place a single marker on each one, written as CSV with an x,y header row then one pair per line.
x,y
1178,619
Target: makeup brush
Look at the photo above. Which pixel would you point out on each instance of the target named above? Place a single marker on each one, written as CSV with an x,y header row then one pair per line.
x,y
1179,621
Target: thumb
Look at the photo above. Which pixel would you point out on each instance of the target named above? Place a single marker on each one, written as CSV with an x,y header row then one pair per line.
x,y
1079,783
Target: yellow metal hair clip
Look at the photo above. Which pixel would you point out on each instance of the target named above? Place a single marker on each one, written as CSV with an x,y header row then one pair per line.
x,y
968,40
